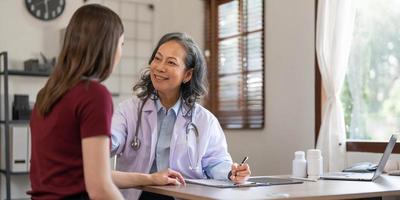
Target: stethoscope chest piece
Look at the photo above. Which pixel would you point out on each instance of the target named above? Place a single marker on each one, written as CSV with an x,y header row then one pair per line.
x,y
135,143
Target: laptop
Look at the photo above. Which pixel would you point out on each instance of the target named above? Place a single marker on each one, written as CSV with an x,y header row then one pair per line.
x,y
353,176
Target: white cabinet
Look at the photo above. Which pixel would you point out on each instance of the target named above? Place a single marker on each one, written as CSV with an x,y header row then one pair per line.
x,y
19,153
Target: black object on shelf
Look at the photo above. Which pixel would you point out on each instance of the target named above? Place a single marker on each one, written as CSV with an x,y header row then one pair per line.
x,y
20,107
31,65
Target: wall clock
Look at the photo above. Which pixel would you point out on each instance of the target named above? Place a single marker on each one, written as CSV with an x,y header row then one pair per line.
x,y
45,9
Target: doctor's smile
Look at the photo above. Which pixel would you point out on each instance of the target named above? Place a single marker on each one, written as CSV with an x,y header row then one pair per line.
x,y
158,77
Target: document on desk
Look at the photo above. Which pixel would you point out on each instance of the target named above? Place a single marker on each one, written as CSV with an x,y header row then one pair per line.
x,y
222,183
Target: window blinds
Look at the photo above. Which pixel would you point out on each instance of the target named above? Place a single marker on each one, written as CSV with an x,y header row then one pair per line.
x,y
238,71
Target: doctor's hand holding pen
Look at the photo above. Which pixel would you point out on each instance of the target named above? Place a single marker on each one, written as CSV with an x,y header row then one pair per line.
x,y
240,173
167,177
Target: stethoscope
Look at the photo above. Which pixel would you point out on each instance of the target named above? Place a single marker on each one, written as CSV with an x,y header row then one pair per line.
x,y
190,128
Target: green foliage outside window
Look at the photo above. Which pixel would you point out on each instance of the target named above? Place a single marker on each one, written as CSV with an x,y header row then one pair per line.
x,y
371,92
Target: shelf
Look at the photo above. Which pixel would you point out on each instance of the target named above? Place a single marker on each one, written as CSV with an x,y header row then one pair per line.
x,y
24,73
15,122
6,73
14,173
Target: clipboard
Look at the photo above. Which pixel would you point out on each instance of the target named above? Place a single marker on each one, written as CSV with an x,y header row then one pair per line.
x,y
252,182
222,183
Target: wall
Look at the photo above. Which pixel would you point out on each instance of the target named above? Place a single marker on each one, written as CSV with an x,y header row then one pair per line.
x,y
180,15
289,77
23,36
289,90
289,73
24,41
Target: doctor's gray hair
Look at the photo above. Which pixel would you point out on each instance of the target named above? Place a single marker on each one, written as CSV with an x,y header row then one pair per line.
x,y
191,90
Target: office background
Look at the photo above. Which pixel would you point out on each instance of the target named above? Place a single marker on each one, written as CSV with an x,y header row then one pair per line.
x,y
289,73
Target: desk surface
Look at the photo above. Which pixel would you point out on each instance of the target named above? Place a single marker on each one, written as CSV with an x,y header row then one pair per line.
x,y
322,189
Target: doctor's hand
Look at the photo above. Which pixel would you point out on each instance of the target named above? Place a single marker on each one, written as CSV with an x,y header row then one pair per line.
x,y
167,177
240,173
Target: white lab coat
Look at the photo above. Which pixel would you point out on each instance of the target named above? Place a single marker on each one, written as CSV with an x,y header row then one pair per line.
x,y
213,161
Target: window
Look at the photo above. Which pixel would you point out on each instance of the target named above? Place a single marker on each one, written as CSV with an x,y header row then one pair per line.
x,y
371,91
235,43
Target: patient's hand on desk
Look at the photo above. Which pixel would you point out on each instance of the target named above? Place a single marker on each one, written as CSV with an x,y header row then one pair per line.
x,y
240,173
167,177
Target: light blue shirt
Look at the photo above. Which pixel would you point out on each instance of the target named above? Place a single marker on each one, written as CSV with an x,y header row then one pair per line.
x,y
165,126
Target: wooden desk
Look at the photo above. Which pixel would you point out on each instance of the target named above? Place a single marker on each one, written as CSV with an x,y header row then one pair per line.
x,y
323,189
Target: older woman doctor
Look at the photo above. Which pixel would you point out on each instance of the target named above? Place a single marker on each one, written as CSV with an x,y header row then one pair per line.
x,y
163,127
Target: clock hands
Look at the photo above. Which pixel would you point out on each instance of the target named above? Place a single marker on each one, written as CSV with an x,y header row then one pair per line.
x,y
46,14
38,3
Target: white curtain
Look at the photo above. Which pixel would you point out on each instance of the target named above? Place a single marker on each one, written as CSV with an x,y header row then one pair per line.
x,y
335,22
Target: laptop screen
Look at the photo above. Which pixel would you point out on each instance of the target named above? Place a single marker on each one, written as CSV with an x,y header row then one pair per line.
x,y
385,156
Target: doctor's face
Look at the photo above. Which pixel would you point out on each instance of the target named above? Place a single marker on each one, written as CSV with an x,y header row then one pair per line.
x,y
168,70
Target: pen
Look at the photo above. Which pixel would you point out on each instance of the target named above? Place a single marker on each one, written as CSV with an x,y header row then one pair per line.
x,y
241,163
244,160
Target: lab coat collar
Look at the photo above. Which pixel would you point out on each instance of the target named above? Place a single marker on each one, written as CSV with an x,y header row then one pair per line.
x,y
149,105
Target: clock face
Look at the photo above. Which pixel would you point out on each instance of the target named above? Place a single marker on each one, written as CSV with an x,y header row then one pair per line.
x,y
45,9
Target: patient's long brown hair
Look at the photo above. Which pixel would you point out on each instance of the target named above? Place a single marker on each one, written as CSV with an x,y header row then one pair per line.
x,y
90,44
